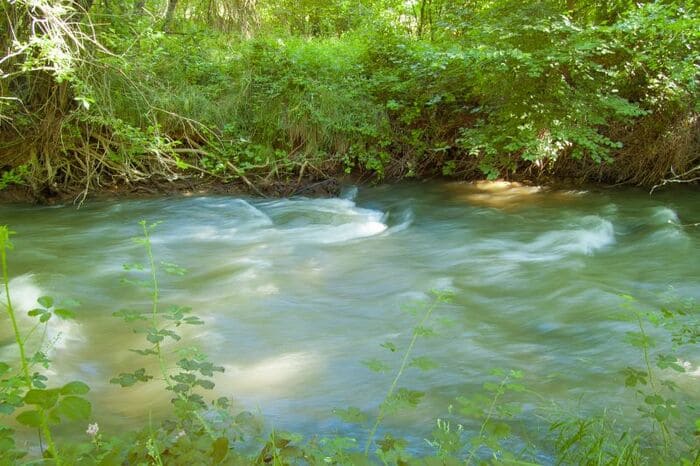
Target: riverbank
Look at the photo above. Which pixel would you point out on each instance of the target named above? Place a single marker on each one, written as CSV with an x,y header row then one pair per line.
x,y
180,187
118,102
313,188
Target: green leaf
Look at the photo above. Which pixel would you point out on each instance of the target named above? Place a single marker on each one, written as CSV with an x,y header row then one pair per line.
x,y
409,397
670,384
219,450
173,269
498,429
188,364
4,368
661,413
45,317
424,331
54,417
180,388
64,313
389,345
222,403
491,387
170,333
7,409
74,407
668,361
29,418
640,340
39,379
633,377
154,337
45,301
351,415
133,266
44,398
375,365
129,379
144,352
205,384
207,369
193,320
423,363
75,388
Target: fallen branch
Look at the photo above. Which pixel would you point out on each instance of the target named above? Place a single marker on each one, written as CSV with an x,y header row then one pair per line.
x,y
680,178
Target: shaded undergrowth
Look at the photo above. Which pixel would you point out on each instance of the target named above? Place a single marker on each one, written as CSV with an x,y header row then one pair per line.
x,y
96,94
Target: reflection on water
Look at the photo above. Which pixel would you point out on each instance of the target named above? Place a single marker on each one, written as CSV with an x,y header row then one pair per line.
x,y
297,292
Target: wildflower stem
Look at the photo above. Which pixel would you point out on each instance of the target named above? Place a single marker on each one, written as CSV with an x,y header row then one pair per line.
x,y
6,245
399,373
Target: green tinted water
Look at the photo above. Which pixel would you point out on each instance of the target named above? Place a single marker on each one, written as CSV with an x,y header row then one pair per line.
x,y
297,293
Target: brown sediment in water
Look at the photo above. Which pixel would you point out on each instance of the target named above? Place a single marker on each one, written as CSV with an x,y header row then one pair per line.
x,y
508,195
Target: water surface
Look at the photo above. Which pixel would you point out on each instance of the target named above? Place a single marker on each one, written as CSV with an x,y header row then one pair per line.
x,y
296,293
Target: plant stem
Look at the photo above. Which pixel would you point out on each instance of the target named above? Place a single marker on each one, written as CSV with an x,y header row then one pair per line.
x,y
498,394
402,368
645,348
5,245
155,295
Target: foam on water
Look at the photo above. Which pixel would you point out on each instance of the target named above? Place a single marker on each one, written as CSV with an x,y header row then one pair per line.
x,y
690,370
405,219
24,293
663,216
592,234
235,220
323,221
588,235
349,193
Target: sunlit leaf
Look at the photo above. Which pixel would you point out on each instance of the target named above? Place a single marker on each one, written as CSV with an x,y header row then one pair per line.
x,y
74,407
41,397
219,450
30,418
75,388
45,301
64,313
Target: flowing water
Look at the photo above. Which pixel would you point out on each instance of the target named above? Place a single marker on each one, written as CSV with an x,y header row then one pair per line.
x,y
297,293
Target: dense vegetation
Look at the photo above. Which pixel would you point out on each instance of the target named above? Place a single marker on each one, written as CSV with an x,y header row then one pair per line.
x,y
94,94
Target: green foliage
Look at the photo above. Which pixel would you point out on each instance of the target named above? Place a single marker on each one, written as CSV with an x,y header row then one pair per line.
x,y
272,90
663,420
16,176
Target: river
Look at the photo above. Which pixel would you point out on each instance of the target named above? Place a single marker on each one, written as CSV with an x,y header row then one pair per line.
x,y
297,293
